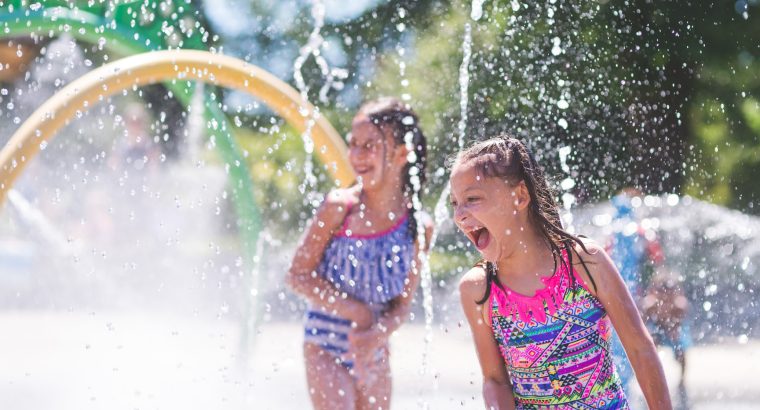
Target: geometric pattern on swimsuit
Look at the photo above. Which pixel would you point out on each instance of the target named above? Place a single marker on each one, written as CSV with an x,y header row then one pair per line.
x,y
369,268
556,345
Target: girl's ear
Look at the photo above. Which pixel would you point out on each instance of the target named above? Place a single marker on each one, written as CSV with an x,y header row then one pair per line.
x,y
522,196
399,154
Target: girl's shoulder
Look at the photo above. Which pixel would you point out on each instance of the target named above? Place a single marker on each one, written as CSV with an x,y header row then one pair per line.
x,y
594,266
472,286
593,253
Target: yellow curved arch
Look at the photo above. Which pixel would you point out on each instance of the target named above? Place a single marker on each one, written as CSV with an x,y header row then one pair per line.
x,y
154,67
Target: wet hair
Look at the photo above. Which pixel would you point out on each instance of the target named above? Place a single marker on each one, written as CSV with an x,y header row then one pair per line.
x,y
508,158
396,118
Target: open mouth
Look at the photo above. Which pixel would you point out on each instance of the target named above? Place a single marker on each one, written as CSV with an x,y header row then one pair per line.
x,y
480,237
361,170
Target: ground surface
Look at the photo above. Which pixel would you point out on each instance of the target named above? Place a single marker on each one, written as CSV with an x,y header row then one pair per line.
x,y
140,361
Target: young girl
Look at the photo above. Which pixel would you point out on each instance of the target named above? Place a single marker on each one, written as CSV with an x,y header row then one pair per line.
x,y
541,302
357,265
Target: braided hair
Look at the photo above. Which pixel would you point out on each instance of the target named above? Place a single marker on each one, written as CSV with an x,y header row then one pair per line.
x,y
508,158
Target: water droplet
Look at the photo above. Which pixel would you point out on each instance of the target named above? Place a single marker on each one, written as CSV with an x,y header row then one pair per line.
x,y
477,9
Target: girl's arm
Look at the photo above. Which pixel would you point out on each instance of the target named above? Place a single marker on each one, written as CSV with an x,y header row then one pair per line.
x,y
393,317
617,301
497,390
302,276
399,309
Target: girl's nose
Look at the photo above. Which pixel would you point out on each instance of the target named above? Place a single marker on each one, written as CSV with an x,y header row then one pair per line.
x,y
357,152
459,214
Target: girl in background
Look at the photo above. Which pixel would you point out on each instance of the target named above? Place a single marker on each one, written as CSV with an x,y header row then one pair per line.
x,y
542,303
357,265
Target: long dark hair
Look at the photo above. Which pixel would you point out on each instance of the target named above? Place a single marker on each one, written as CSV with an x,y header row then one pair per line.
x,y
392,116
508,158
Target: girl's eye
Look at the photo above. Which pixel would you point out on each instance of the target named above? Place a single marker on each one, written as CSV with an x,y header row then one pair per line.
x,y
472,199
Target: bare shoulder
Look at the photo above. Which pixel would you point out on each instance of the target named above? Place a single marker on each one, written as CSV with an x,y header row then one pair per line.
x,y
596,262
472,288
473,284
593,253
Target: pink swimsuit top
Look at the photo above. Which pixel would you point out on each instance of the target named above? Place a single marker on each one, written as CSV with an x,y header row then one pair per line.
x,y
556,344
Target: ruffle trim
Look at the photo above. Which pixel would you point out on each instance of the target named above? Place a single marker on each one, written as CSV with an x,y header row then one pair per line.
x,y
547,299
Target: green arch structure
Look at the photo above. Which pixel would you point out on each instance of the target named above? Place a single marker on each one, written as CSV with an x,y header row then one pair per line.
x,y
159,28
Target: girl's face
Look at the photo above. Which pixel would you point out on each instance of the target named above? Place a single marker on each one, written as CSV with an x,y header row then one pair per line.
x,y
373,155
488,210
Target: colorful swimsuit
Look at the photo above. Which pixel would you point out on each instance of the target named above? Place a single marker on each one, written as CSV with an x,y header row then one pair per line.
x,y
370,268
556,345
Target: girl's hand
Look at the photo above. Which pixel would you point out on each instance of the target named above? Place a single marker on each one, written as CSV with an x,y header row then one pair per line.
x,y
334,210
366,340
362,317
368,349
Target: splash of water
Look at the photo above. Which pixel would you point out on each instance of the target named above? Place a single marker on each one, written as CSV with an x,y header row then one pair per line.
x,y
333,80
441,213
712,250
333,76
195,125
426,276
477,9
566,185
40,224
253,319
464,84
401,27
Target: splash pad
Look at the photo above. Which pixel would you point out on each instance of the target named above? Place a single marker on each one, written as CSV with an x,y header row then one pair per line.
x,y
149,68
186,65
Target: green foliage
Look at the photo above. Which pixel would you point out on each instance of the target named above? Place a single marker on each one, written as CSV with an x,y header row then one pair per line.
x,y
275,156
658,95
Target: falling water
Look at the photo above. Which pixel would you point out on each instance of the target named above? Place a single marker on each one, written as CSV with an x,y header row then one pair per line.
x,y
333,76
426,276
39,223
401,27
566,185
713,251
464,84
441,213
311,48
333,80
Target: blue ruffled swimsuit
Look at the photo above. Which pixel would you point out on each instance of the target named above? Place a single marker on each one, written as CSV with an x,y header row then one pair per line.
x,y
369,268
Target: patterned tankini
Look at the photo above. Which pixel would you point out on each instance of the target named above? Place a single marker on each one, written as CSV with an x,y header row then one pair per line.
x,y
556,345
370,268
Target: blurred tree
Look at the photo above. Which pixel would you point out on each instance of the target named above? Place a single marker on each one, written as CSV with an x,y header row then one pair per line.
x,y
658,95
